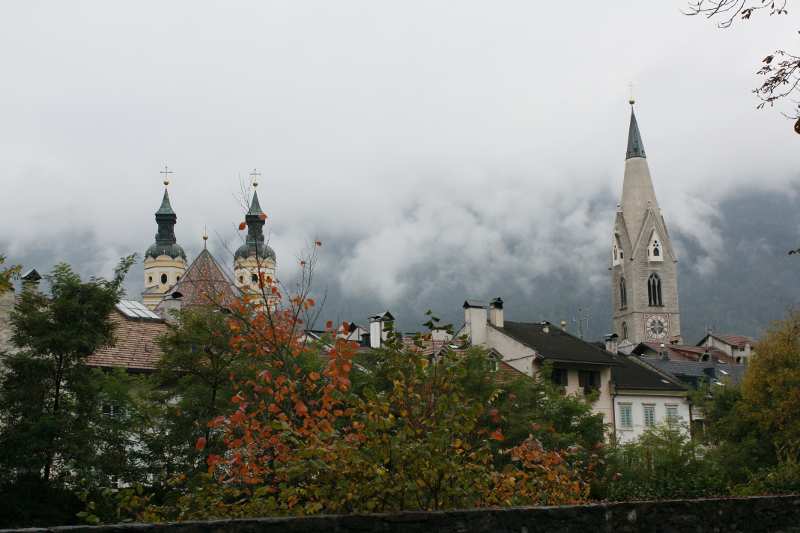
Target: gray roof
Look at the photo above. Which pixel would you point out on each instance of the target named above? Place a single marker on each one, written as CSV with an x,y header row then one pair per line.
x,y
635,145
557,345
633,374
693,373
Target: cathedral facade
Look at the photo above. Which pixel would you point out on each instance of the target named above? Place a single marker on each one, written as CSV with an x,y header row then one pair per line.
x,y
644,280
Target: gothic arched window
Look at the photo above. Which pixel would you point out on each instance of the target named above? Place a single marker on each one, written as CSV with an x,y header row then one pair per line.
x,y
623,294
624,330
654,290
656,251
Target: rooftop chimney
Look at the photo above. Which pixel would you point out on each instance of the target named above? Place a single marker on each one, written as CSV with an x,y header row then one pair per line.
x,y
496,312
172,304
30,281
475,318
611,342
376,333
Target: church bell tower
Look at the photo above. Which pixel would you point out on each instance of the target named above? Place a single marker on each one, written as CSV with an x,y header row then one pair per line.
x,y
644,281
165,260
254,260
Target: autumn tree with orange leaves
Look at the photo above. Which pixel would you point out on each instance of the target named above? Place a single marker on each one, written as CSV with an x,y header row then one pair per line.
x,y
300,440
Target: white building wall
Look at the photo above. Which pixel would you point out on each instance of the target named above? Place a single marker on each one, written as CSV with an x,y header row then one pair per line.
x,y
638,402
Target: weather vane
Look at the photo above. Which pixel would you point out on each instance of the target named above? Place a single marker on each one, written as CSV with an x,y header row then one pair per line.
x,y
630,86
255,177
166,173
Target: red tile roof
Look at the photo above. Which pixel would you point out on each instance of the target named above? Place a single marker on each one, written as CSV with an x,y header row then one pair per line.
x,y
735,340
683,352
136,349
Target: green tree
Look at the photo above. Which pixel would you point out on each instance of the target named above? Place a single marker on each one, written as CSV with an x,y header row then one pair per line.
x,y
655,466
771,387
195,368
48,399
7,274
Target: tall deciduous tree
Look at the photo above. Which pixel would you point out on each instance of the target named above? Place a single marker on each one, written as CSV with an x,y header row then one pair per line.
x,y
47,395
771,388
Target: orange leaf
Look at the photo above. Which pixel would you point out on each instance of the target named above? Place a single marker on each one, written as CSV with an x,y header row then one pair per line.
x,y
301,408
319,243
262,216
314,376
201,442
497,435
302,262
242,226
311,302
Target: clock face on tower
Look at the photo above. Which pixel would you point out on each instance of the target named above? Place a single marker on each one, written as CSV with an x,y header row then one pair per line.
x,y
656,326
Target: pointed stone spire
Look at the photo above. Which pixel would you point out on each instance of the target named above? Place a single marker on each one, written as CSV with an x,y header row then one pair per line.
x,y
635,146
638,194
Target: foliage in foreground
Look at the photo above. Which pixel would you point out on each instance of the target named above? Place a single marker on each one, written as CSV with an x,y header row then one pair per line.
x,y
662,463
301,441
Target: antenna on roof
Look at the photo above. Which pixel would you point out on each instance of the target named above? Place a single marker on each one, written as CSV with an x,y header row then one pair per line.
x,y
581,318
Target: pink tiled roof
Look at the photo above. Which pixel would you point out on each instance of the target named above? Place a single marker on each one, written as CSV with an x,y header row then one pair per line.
x,y
683,352
136,348
735,340
203,281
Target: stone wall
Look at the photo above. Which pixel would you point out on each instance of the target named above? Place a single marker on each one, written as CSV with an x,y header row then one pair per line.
x,y
6,306
760,514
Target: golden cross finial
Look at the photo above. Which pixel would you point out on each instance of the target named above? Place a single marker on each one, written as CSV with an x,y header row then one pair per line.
x,y
255,177
166,173
630,86
205,235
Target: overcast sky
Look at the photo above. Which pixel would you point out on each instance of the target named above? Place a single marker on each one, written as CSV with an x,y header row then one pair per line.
x,y
430,146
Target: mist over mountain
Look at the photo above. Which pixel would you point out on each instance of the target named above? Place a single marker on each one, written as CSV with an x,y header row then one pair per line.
x,y
734,273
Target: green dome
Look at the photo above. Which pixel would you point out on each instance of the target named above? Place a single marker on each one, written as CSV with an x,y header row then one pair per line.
x,y
248,250
173,250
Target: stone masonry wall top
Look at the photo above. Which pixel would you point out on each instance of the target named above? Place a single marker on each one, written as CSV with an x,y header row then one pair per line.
x,y
719,515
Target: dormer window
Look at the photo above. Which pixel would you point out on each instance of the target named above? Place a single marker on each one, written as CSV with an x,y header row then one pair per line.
x,y
616,253
654,251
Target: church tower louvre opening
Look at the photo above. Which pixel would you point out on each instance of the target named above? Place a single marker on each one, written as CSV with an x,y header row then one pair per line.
x,y
164,260
644,282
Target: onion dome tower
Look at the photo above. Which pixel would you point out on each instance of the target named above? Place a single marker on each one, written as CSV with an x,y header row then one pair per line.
x,y
165,260
254,261
644,279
